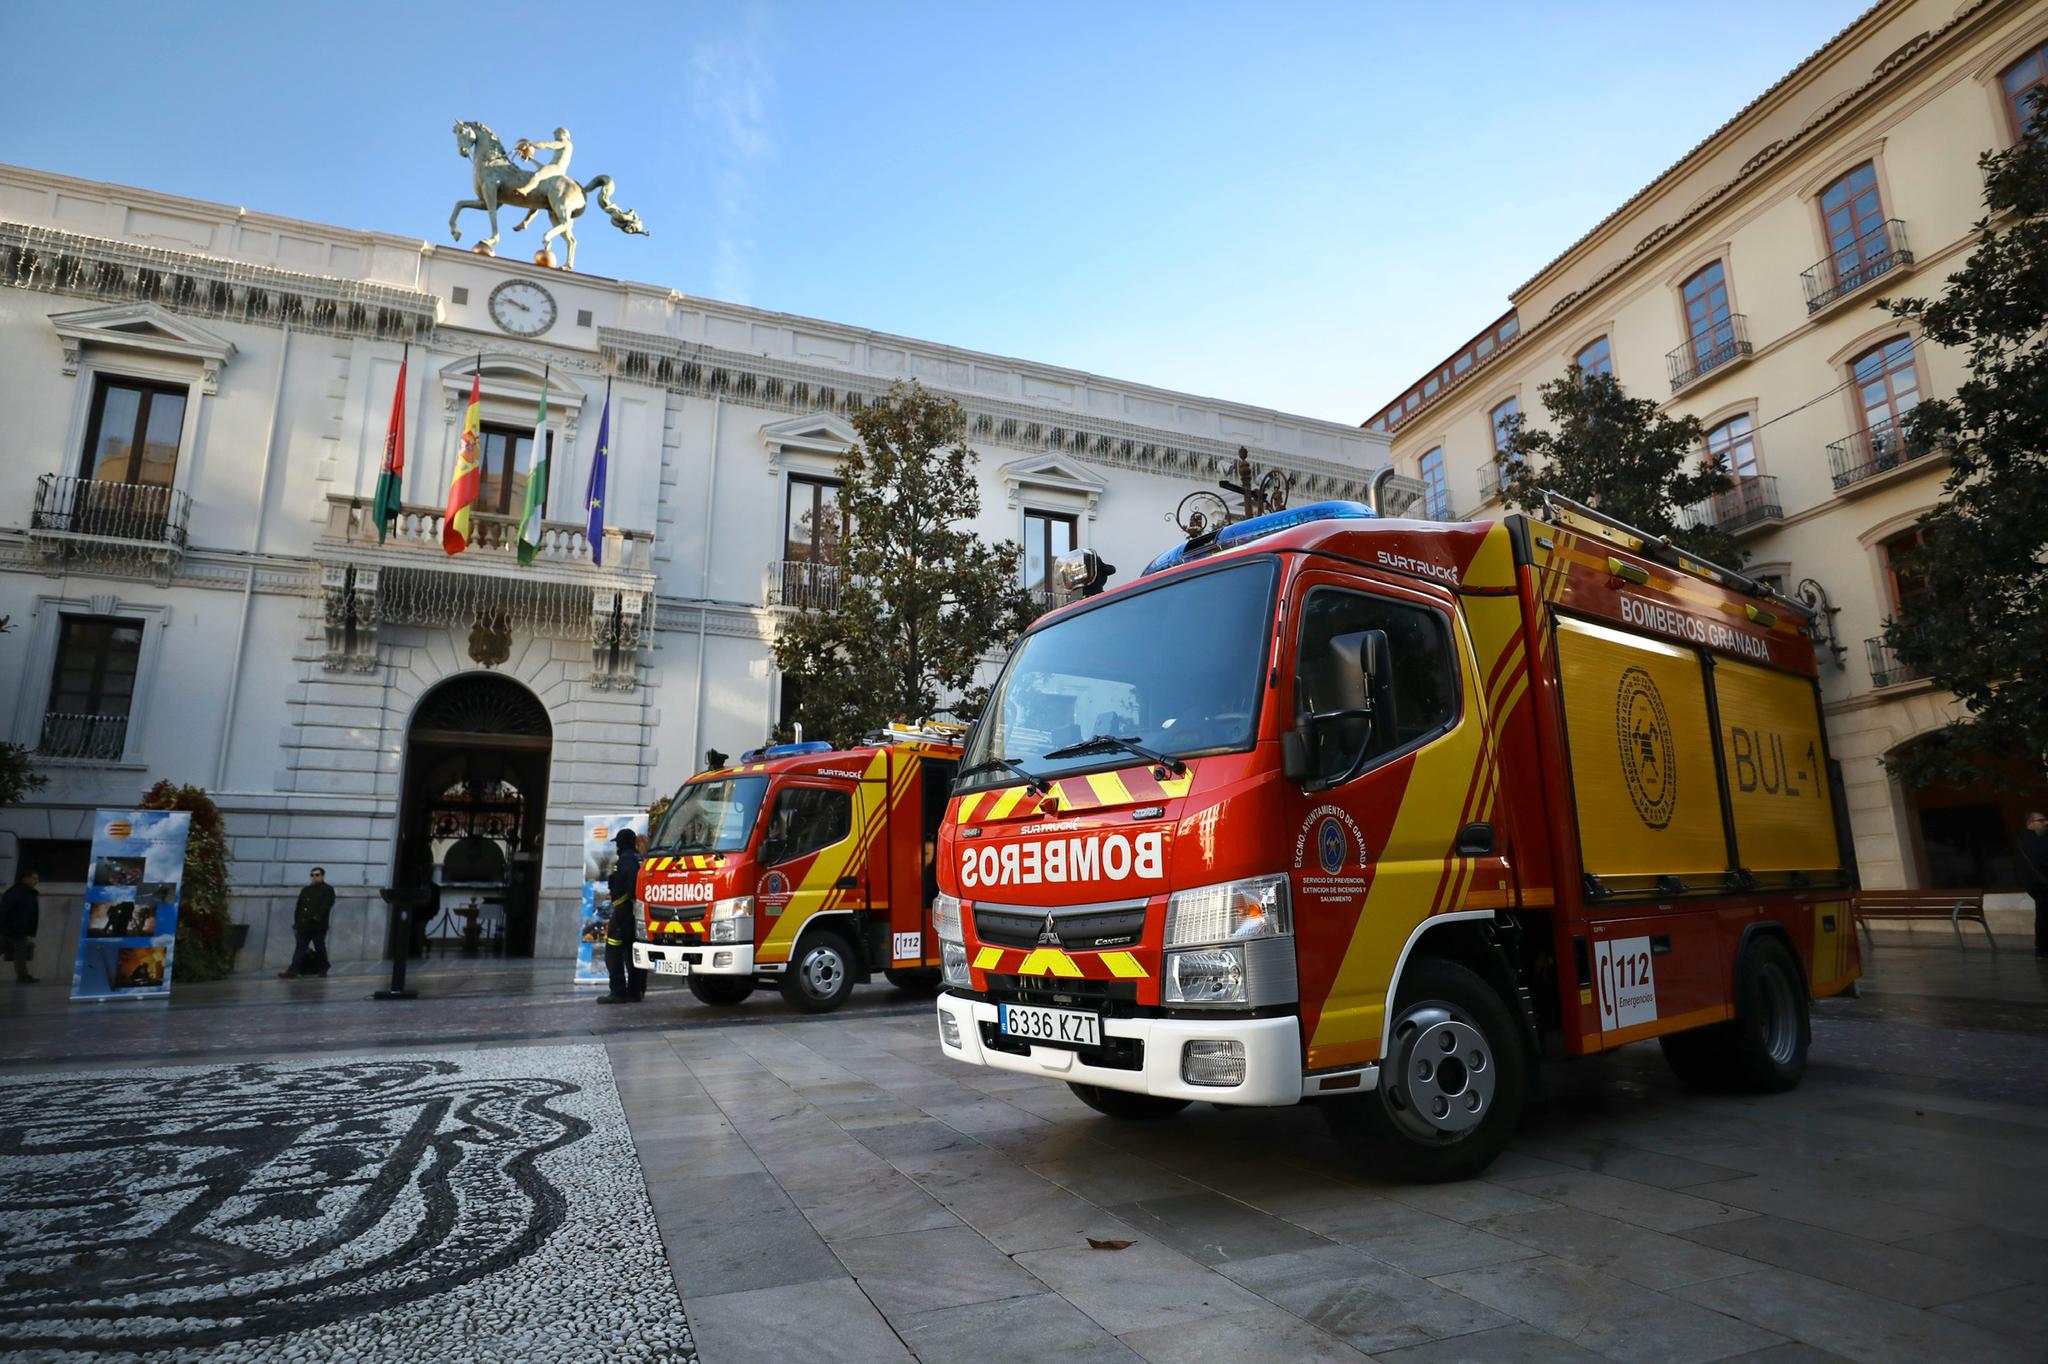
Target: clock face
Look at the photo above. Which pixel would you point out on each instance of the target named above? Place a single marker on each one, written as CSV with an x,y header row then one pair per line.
x,y
522,307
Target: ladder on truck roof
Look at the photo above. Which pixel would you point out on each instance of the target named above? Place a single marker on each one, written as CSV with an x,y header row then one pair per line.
x,y
1564,511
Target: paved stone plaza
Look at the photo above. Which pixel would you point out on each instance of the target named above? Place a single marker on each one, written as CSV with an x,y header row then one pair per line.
x,y
835,1189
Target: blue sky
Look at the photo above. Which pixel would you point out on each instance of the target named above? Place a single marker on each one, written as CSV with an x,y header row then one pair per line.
x,y
1300,206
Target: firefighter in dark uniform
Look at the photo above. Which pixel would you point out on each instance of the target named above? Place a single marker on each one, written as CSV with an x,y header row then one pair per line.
x,y
629,982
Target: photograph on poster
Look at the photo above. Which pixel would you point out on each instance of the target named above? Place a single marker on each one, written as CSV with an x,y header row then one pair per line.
x,y
121,919
157,893
118,871
141,967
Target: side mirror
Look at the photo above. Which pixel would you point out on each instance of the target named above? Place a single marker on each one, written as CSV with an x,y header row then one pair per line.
x,y
1354,675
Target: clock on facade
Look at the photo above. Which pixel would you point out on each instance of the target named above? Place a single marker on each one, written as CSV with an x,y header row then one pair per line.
x,y
522,307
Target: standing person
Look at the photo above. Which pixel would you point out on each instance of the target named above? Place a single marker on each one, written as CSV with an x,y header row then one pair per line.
x,y
309,927
2033,841
21,911
629,982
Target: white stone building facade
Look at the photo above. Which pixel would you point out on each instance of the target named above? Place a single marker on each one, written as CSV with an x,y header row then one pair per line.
x,y
199,396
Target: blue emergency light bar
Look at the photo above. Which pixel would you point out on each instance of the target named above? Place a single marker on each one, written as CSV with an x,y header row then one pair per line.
x,y
1244,532
786,751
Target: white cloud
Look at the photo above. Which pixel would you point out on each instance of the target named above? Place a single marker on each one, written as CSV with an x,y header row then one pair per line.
x,y
730,89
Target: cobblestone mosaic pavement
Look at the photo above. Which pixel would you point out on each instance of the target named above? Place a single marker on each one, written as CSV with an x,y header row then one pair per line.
x,y
478,1205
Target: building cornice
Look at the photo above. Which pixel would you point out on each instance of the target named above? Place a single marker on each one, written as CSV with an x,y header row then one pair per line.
x,y
51,260
697,369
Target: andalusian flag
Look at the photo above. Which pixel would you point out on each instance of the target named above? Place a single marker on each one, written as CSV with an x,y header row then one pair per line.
x,y
391,482
594,532
469,479
536,482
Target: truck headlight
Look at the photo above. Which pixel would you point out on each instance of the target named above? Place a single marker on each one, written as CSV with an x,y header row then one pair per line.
x,y
953,964
1205,975
731,920
1230,911
946,918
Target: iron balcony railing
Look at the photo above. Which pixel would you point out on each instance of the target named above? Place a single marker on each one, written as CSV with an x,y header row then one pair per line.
x,y
1876,252
1870,452
806,584
1887,669
98,738
101,510
1492,475
1708,350
1750,501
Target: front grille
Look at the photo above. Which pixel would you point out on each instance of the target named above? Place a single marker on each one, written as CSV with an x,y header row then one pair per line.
x,y
1115,998
1115,1053
1090,930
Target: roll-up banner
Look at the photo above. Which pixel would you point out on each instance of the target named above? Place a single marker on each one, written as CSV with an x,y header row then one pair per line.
x,y
130,928
600,855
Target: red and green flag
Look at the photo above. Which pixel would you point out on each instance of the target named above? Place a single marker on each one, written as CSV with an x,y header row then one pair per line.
x,y
391,482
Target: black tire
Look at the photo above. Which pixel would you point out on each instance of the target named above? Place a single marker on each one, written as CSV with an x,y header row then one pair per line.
x,y
819,976
1763,1048
1116,1103
720,991
1440,1112
920,982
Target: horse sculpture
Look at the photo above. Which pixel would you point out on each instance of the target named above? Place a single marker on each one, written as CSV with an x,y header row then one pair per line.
x,y
498,180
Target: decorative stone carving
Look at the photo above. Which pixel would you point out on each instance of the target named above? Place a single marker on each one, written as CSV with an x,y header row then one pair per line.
x,y
348,609
615,621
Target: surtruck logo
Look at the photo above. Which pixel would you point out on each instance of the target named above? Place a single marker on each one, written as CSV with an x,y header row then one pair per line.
x,y
1649,758
1055,861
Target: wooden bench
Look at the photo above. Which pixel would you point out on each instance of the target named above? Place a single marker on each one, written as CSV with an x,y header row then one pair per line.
x,y
1953,905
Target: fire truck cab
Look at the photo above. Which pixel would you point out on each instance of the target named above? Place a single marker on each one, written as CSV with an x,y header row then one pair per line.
x,y
805,867
1381,813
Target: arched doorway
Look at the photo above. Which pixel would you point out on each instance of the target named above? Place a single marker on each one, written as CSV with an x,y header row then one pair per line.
x,y
1963,835
473,814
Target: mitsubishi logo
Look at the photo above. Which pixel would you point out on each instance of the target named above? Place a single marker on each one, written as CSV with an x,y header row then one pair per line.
x,y
1049,936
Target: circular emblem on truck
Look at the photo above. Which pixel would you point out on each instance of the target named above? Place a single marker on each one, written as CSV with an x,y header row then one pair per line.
x,y
1330,844
1649,759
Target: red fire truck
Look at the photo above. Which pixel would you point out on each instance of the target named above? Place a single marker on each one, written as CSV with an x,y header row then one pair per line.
x,y
1380,813
804,866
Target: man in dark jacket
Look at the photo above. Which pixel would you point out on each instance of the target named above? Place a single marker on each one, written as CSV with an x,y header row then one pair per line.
x,y
629,982
309,928
20,912
2033,843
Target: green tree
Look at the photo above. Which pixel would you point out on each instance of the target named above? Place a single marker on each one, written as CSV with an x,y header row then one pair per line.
x,y
18,775
202,951
922,599
1620,455
1984,548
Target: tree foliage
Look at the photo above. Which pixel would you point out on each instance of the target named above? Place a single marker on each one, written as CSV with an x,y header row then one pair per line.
x,y
202,950
18,775
1984,551
1620,455
922,599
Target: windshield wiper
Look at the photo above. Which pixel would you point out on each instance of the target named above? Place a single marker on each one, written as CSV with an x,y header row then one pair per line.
x,y
1104,743
1033,784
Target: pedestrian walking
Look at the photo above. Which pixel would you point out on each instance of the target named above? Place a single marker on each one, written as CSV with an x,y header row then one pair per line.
x,y
629,982
2033,841
21,911
309,927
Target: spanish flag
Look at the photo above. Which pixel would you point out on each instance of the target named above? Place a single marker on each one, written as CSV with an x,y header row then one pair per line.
x,y
462,493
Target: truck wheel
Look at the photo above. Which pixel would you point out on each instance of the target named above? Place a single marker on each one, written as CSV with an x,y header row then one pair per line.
x,y
921,982
1116,1103
723,991
820,976
1763,1048
1451,1088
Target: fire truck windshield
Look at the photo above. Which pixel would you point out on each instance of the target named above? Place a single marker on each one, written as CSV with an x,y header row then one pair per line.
x,y
1175,668
710,816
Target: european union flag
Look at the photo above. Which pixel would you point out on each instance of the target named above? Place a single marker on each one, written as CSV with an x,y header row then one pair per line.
x,y
594,532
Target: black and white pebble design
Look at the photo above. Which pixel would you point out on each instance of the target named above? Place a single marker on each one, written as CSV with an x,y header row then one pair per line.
x,y
481,1205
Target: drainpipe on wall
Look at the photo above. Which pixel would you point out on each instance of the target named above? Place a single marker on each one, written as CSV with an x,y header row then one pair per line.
x,y
704,591
227,714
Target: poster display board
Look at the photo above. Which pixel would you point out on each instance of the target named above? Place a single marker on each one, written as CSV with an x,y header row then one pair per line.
x,y
130,927
599,857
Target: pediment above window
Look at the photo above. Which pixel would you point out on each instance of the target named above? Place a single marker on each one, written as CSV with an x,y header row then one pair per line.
x,y
822,436
1043,474
148,328
513,378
